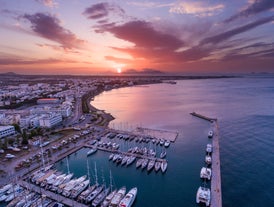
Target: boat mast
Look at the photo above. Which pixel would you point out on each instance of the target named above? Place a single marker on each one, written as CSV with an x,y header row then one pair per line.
x,y
88,173
96,178
67,164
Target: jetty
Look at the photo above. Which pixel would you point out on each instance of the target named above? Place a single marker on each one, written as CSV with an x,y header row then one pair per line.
x,y
156,133
203,117
216,190
51,195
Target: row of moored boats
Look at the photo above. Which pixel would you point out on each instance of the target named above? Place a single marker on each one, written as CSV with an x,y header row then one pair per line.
x,y
204,194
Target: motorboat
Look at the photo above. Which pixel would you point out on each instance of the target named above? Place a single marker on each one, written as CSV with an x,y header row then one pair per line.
x,y
108,199
111,156
130,197
203,196
94,194
210,134
139,163
130,160
205,173
167,143
164,166
150,165
163,154
9,156
91,151
208,159
5,188
85,193
209,148
99,198
124,160
79,189
144,163
157,166
118,197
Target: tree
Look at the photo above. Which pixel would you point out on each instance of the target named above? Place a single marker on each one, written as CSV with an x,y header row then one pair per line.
x,y
25,138
5,145
17,128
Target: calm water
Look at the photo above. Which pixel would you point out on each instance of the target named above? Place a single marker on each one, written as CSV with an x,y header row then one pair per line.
x,y
245,109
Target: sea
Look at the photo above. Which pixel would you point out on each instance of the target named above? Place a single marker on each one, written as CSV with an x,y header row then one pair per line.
x,y
244,107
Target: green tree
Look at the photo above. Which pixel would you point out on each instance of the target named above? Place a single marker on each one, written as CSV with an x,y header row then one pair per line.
x,y
17,128
25,138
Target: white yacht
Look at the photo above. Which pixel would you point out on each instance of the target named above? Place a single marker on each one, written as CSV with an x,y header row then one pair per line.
x,y
128,200
167,143
100,197
5,188
203,195
144,163
130,160
108,199
208,159
210,134
209,148
205,173
157,166
91,151
9,156
118,197
150,165
139,163
164,166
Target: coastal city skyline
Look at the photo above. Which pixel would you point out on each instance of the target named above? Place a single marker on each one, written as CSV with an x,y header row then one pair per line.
x,y
109,37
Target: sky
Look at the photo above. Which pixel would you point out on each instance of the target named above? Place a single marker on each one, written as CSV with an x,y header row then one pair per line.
x,y
87,37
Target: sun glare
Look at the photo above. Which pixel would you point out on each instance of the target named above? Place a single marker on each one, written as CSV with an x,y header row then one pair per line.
x,y
119,70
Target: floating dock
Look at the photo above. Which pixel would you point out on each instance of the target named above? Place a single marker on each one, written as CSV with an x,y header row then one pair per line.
x,y
156,133
216,190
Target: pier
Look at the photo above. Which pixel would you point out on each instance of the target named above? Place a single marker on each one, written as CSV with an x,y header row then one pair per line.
x,y
216,190
53,196
203,117
156,133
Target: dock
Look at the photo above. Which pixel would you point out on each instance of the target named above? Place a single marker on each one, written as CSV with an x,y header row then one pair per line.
x,y
203,117
216,190
156,133
51,195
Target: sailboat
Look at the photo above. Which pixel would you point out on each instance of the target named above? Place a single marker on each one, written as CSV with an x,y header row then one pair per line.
x,y
109,197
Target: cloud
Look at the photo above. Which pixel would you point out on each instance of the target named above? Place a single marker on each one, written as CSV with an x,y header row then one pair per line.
x,y
196,8
49,27
48,3
101,10
149,4
143,71
143,35
20,61
256,7
228,34
118,60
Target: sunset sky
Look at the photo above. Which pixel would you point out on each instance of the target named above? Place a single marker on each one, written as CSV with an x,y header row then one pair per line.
x,y
104,37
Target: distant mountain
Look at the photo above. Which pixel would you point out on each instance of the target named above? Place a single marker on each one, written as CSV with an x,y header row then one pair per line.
x,y
9,74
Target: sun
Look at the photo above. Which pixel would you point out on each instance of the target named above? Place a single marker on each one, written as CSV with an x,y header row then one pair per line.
x,y
119,70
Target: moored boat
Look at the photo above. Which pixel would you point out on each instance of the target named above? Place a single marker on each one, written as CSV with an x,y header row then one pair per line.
x,y
108,199
130,160
203,196
205,173
209,148
118,197
130,197
210,134
164,166
94,193
167,143
208,159
91,151
139,163
157,166
144,163
150,165
100,197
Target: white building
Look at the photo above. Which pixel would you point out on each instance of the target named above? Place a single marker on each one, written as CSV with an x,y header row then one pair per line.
x,y
6,131
50,120
31,121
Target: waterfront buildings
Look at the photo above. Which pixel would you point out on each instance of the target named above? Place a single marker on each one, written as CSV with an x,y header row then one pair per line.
x,y
6,131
